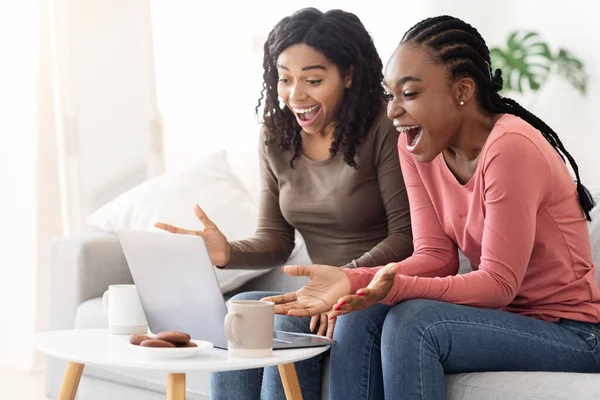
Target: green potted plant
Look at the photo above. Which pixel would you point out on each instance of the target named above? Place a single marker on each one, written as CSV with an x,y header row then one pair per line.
x,y
527,62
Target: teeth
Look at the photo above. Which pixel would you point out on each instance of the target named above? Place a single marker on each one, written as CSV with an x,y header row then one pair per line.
x,y
304,110
405,128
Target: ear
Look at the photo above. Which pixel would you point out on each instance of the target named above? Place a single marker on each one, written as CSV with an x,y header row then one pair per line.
x,y
463,90
348,77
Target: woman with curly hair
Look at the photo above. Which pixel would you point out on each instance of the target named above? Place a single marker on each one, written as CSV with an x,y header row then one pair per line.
x,y
329,169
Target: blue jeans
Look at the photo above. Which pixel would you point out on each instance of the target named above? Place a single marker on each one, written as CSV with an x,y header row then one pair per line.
x,y
421,340
350,329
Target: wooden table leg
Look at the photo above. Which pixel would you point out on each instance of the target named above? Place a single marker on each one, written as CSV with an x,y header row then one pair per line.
x,y
176,387
70,382
289,378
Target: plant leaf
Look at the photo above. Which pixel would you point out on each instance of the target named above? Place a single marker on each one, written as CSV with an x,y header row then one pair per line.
x,y
526,59
571,69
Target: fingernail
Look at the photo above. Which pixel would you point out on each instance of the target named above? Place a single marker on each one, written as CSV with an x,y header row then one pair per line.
x,y
336,308
342,303
331,317
361,294
283,268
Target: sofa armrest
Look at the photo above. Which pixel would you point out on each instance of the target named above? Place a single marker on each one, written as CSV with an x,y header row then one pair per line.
x,y
82,267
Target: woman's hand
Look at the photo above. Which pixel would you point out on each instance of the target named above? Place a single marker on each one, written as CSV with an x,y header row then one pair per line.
x,y
326,325
327,284
216,242
377,290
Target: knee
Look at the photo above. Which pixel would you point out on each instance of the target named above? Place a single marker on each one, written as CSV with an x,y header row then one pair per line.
x,y
412,313
345,330
354,327
407,321
348,332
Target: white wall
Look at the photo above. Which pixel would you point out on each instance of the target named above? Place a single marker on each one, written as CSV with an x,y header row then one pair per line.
x,y
570,24
209,73
18,102
209,69
110,93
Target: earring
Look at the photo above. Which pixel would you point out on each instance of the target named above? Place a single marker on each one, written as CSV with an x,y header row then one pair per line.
x,y
462,103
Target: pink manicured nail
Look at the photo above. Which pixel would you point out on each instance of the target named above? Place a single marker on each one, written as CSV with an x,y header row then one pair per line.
x,y
361,294
331,317
283,268
338,306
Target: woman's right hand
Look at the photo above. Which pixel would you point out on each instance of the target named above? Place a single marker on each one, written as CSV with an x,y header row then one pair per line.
x,y
216,243
325,286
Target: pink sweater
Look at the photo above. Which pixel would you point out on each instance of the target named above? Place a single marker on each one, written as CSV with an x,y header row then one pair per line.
x,y
517,220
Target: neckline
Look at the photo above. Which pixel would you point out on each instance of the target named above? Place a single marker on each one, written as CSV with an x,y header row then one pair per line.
x,y
310,161
317,162
469,184
448,171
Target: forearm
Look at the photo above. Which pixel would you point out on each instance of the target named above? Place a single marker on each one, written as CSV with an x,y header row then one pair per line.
x,y
425,265
395,247
478,288
262,250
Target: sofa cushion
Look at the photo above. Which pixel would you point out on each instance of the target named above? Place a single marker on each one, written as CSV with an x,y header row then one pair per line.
x,y
522,385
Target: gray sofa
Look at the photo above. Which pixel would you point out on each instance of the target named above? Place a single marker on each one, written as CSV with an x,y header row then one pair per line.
x,y
84,265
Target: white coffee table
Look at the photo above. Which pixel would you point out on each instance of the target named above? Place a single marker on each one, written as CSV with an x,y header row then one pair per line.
x,y
98,347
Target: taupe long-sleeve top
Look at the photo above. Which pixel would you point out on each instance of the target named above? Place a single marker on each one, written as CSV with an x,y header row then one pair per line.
x,y
347,217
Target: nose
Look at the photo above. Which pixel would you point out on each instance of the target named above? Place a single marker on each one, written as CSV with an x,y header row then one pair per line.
x,y
297,93
394,110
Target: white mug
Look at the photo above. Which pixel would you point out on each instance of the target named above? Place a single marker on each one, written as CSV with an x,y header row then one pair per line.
x,y
125,313
249,328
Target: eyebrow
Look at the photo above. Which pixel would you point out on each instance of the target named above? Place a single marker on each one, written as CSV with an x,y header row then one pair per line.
x,y
405,79
307,68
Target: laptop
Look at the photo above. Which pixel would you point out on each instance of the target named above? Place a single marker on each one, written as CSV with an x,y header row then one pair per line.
x,y
179,290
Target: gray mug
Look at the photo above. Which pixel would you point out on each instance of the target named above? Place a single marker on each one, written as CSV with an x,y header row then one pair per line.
x,y
249,328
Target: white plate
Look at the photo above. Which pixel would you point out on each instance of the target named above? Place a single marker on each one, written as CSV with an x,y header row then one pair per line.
x,y
174,352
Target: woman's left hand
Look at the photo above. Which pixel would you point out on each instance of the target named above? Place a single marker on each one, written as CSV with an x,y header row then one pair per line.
x,y
377,290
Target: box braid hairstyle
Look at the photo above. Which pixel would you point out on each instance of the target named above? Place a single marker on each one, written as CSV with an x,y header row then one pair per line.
x,y
343,39
461,48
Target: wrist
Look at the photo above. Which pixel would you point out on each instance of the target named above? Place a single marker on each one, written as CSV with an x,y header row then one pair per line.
x,y
354,278
392,296
223,264
227,253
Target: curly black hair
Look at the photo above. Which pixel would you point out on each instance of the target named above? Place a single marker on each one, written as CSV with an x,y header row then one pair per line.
x,y
458,45
343,39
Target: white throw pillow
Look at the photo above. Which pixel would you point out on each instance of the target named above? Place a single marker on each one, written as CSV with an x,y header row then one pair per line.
x,y
170,198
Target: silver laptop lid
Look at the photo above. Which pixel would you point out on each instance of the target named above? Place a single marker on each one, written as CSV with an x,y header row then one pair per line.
x,y
161,262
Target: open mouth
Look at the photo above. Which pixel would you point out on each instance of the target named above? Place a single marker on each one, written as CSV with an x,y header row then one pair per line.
x,y
307,115
413,134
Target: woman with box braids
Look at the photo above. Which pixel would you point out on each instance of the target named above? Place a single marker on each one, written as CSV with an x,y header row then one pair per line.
x,y
488,178
459,46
